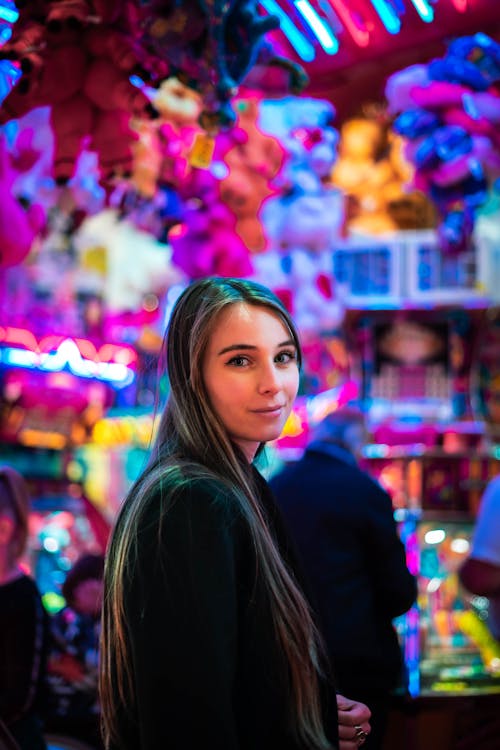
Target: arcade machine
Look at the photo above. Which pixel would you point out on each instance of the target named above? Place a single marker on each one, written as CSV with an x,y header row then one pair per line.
x,y
430,379
52,392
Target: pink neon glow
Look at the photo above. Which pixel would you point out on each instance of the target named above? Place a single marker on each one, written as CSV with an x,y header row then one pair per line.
x,y
460,5
87,349
107,353
22,337
360,35
48,343
110,352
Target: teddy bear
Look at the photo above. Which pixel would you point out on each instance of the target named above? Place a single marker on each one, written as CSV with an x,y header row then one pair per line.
x,y
162,145
19,224
122,280
205,243
253,159
366,176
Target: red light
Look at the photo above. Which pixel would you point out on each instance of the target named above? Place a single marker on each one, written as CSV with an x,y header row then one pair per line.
x,y
460,5
360,35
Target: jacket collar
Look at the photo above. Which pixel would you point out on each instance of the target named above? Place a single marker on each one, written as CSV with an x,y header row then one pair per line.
x,y
333,450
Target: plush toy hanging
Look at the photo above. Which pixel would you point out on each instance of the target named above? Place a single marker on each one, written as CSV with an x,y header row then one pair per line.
x,y
449,110
80,69
210,45
78,56
303,222
19,224
253,159
206,242
373,174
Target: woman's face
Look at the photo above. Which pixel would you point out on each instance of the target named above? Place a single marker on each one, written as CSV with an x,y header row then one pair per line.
x,y
251,374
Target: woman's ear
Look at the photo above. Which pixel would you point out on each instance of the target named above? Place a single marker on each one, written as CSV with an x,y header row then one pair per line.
x,y
7,530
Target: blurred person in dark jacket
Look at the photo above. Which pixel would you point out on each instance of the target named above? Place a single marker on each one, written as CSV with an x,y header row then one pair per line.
x,y
23,622
342,524
73,707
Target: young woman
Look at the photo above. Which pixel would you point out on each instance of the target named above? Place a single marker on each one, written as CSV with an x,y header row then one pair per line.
x,y
23,623
208,641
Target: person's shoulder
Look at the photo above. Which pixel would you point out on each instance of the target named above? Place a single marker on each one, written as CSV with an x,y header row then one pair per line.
x,y
490,501
24,592
193,482
372,486
27,584
191,489
493,488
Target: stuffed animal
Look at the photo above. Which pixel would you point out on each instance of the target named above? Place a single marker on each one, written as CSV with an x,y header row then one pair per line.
x,y
210,46
253,160
90,49
372,173
302,229
19,225
160,154
176,103
134,265
93,98
449,111
206,242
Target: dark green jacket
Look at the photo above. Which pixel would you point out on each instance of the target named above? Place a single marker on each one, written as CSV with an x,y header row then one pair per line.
x,y
208,671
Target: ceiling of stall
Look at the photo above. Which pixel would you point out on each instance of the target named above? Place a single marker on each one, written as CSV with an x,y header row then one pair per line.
x,y
369,39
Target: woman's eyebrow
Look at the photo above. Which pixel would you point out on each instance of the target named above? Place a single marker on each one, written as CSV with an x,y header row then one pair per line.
x,y
236,347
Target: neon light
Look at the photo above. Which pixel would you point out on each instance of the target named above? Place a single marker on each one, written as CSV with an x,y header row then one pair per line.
x,y
8,14
107,352
87,349
424,10
48,343
360,35
19,336
68,355
460,5
39,439
328,41
302,46
435,536
18,357
387,16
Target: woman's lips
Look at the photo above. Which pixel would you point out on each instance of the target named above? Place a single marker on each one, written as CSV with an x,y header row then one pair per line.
x,y
269,410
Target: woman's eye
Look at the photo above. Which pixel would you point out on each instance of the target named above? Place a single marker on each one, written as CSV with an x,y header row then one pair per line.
x,y
283,358
239,361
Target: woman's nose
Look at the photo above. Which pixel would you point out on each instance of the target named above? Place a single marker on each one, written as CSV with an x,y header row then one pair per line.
x,y
269,381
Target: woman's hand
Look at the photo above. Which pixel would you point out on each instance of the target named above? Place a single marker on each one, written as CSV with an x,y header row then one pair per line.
x,y
354,725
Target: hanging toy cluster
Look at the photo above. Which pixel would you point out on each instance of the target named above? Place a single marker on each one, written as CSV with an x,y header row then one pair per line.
x,y
20,222
91,62
210,46
253,160
449,110
77,58
304,219
217,209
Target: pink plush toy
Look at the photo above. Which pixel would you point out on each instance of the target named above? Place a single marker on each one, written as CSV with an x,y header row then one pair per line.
x,y
253,159
18,226
206,243
81,70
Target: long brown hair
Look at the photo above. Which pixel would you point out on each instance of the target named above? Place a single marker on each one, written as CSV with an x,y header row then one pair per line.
x,y
191,434
14,498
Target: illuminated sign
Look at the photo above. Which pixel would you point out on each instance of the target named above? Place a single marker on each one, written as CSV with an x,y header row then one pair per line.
x,y
110,363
